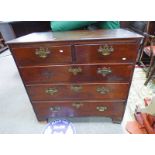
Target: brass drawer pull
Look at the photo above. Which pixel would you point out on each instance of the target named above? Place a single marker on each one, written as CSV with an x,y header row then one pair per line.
x,y
104,71
76,88
42,52
77,105
75,70
102,90
55,109
51,91
105,49
101,108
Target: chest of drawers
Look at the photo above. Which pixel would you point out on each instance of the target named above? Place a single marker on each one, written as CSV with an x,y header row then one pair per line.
x,y
77,73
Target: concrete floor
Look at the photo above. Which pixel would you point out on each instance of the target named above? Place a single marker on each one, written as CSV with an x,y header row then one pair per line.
x,y
17,115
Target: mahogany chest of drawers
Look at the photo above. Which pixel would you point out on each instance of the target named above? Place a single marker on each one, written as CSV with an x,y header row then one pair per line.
x,y
77,73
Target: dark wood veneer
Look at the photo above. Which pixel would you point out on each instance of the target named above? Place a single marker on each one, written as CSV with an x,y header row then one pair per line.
x,y
123,53
28,57
89,73
77,49
117,91
114,110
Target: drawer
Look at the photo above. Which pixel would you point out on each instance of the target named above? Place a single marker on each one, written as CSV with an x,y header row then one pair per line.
x,y
44,110
106,53
112,91
42,55
76,73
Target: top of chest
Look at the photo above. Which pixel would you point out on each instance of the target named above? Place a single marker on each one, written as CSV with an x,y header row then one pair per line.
x,y
76,36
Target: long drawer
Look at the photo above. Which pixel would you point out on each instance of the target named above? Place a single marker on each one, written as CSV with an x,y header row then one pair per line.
x,y
77,73
36,56
45,110
91,91
106,53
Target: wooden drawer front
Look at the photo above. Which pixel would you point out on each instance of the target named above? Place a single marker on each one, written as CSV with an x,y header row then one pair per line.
x,y
80,73
120,53
44,110
42,55
78,91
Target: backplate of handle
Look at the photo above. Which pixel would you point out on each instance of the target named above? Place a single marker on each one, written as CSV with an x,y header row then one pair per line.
x,y
77,105
104,71
75,70
105,49
55,108
102,90
51,91
42,52
101,108
76,88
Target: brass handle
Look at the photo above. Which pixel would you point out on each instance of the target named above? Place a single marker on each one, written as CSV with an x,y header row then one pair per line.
x,y
77,105
42,52
101,108
102,90
76,88
104,71
105,49
75,70
55,109
51,91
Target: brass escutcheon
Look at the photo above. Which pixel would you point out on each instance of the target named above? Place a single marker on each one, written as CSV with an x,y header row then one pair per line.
x,y
105,49
75,70
51,91
77,105
102,90
76,88
42,52
101,108
104,71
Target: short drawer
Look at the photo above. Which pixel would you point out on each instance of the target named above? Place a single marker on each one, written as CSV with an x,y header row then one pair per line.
x,y
110,53
45,110
76,73
42,55
113,91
